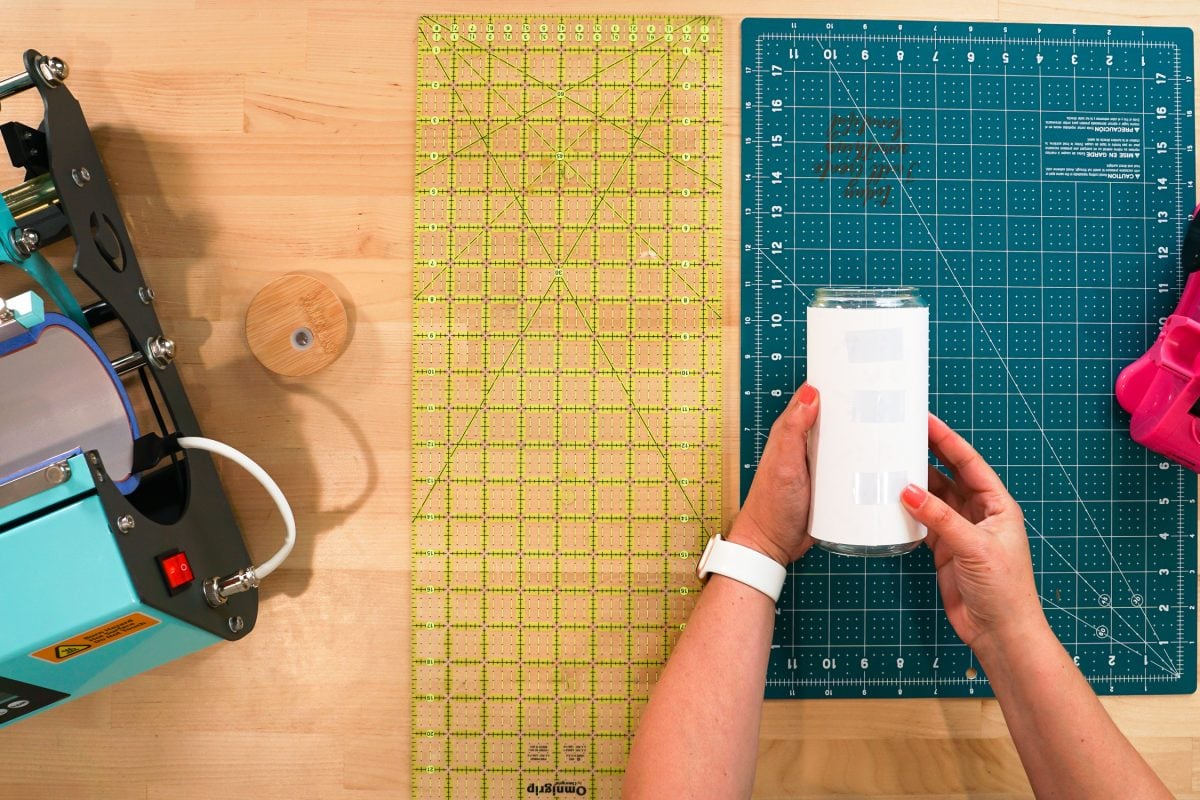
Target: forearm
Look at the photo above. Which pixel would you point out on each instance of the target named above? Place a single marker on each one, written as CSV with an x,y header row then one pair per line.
x,y
1068,744
698,736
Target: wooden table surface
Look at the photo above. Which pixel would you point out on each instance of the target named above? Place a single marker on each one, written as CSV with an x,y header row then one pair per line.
x,y
245,144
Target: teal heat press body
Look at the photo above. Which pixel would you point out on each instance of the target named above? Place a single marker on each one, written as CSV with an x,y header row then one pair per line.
x,y
118,549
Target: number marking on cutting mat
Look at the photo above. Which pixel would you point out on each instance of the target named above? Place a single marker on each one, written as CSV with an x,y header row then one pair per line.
x,y
1034,182
566,401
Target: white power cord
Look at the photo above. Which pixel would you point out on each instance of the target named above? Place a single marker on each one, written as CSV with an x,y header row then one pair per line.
x,y
260,475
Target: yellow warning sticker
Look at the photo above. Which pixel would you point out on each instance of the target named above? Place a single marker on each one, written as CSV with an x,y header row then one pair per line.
x,y
96,638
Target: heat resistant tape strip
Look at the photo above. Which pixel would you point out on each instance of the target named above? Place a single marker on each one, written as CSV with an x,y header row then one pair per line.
x,y
878,407
874,345
878,488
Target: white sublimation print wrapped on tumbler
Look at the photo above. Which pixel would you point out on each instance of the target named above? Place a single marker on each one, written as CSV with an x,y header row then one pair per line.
x,y
868,354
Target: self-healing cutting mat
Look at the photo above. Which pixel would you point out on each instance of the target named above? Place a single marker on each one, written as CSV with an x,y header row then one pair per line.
x,y
566,400
1034,182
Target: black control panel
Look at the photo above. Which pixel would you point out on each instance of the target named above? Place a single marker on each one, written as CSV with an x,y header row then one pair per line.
x,y
18,699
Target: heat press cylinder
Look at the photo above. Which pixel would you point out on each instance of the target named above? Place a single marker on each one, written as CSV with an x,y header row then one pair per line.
x,y
58,394
868,354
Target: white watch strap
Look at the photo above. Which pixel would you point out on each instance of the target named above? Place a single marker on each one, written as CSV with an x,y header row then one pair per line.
x,y
743,564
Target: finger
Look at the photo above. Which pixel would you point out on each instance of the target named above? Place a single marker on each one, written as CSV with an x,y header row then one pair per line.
x,y
945,488
946,526
969,468
939,483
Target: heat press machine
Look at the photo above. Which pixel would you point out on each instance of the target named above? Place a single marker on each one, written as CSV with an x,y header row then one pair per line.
x,y
118,548
1161,390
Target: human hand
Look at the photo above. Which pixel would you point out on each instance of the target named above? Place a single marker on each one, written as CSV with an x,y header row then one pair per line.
x,y
980,549
774,518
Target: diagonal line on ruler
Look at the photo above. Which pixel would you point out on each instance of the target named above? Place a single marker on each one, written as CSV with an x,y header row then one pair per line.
x,y
524,74
633,406
492,157
486,138
600,117
628,157
1117,614
483,136
491,55
1169,668
446,466
617,213
453,258
517,342
487,134
657,150
1003,362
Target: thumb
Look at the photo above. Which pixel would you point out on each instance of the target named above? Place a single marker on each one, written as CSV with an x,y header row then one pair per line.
x,y
803,408
944,523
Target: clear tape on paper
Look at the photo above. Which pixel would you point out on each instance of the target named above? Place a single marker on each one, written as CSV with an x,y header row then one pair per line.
x,y
878,488
884,407
873,345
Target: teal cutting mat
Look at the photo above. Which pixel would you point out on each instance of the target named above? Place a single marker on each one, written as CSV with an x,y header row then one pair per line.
x,y
1035,183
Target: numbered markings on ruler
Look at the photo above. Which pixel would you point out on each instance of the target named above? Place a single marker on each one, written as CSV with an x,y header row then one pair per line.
x,y
566,401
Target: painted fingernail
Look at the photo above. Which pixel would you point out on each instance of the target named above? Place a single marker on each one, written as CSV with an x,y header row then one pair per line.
x,y
807,395
912,496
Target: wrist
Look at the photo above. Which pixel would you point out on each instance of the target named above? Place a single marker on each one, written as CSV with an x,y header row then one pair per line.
x,y
748,535
996,647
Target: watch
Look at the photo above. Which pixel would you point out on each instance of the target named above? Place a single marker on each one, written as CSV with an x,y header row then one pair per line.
x,y
743,564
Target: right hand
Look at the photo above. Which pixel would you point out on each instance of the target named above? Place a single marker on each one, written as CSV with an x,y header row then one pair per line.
x,y
774,518
980,549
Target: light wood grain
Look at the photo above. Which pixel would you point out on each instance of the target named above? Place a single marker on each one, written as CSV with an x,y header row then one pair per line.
x,y
247,141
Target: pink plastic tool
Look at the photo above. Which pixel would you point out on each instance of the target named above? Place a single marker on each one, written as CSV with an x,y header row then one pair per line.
x,y
1162,388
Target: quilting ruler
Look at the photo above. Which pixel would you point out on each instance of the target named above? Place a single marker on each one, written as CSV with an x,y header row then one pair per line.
x,y
1034,182
567,392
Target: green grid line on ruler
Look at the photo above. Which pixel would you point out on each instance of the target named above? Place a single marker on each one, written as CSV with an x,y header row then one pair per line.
x,y
567,391
1034,181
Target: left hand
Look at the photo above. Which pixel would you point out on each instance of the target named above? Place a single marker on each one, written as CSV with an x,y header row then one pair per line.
x,y
774,518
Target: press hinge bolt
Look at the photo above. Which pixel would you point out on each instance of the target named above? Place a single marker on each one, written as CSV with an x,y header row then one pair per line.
x,y
24,241
160,351
125,523
53,70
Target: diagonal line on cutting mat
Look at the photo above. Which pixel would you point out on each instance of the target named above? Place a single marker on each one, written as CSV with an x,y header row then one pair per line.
x,y
1174,673
1003,362
786,277
1163,659
555,281
485,135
